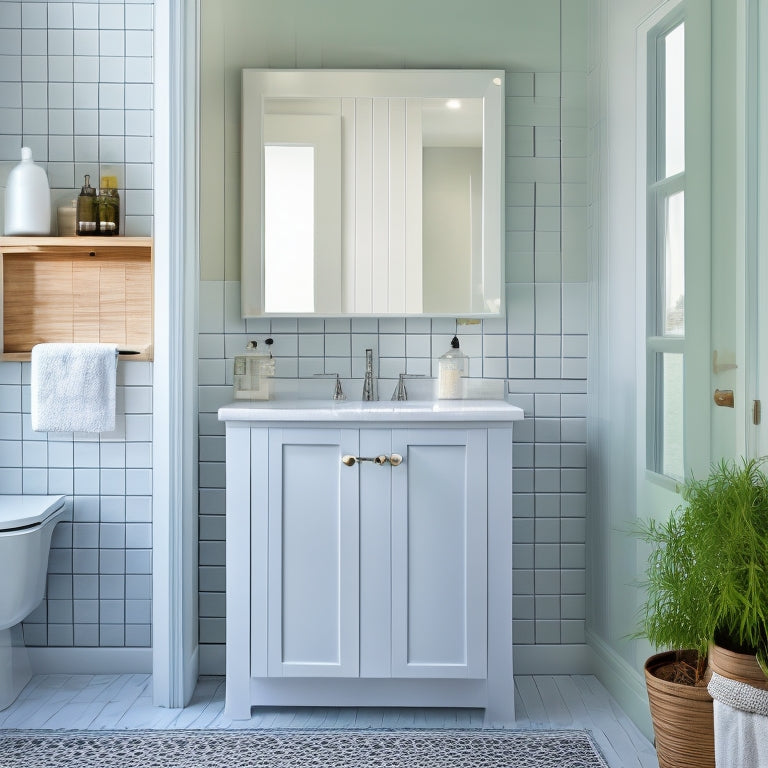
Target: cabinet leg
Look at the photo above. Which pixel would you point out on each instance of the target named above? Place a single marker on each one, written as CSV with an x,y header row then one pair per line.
x,y
500,714
500,709
237,701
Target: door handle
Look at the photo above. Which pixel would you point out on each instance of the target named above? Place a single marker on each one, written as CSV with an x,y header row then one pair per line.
x,y
724,398
350,460
395,459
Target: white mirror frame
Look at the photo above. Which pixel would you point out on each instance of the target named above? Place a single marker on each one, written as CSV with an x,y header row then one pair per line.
x,y
261,84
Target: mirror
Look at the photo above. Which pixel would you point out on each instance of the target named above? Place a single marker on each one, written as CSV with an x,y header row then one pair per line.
x,y
372,192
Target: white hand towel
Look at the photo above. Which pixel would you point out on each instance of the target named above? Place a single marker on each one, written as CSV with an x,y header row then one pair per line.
x,y
73,387
741,723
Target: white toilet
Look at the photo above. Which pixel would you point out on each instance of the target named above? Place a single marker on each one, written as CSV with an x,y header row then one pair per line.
x,y
26,527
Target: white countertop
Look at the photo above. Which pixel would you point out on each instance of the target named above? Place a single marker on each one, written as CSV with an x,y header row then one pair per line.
x,y
377,410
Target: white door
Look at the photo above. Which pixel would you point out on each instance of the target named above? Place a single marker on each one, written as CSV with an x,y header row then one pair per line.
x,y
439,543
313,589
673,256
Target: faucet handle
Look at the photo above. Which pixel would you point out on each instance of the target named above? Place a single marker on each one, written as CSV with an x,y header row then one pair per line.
x,y
338,393
400,392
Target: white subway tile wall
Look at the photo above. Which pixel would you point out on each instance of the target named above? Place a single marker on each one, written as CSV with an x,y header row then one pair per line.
x,y
99,573
540,348
76,86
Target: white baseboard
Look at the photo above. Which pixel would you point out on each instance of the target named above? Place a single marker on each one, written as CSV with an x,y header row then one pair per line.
x,y
191,673
552,660
623,681
90,661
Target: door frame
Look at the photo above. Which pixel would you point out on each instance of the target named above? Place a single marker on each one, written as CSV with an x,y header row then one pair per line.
x,y
174,385
753,32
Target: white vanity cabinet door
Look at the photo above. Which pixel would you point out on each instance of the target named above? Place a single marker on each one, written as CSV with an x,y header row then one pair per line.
x,y
313,571
439,544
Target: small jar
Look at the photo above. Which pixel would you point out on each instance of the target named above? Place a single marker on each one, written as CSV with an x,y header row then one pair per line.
x,y
66,216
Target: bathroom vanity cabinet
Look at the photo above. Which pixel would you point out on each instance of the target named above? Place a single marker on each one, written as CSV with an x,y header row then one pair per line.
x,y
369,555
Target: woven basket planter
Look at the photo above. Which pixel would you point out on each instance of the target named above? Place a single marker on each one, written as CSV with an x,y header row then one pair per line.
x,y
682,717
737,666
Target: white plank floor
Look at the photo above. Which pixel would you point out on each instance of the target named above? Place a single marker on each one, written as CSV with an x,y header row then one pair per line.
x,y
125,702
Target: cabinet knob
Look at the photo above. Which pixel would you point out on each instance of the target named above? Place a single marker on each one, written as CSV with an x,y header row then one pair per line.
x,y
348,460
395,459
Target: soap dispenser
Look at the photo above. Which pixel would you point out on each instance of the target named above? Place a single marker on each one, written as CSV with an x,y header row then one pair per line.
x,y
451,367
252,372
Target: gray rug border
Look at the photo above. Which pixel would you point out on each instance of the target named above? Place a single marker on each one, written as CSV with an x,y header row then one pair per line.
x,y
283,731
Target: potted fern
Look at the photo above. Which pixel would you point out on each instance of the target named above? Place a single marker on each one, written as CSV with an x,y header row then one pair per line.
x,y
707,593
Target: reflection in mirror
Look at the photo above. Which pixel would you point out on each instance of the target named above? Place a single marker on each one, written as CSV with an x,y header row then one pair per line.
x,y
452,189
289,228
381,193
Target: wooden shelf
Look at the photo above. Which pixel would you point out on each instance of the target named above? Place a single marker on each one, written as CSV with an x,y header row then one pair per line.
x,y
76,289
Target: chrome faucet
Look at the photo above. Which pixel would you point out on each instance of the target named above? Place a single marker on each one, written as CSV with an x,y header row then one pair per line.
x,y
338,392
401,393
369,384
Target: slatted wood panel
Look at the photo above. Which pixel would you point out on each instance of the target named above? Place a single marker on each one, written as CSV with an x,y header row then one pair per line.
x,y
76,290
125,702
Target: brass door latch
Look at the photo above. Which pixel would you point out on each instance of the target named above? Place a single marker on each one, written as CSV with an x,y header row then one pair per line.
x,y
724,398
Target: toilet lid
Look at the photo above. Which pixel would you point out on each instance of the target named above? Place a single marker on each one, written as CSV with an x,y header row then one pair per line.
x,y
20,511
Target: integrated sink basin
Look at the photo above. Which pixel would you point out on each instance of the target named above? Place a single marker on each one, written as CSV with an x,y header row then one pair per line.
x,y
377,410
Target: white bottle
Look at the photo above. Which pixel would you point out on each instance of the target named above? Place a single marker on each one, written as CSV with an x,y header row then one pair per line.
x,y
27,199
451,367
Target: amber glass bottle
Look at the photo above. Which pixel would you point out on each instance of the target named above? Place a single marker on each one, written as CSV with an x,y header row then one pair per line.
x,y
108,202
87,214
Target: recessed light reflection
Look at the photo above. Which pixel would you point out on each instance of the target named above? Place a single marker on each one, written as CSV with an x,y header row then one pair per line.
x,y
453,104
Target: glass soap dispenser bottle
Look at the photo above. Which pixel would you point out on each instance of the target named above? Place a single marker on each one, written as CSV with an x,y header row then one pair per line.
x,y
451,367
252,373
87,214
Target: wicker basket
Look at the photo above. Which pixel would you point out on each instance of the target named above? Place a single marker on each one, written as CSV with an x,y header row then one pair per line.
x,y
682,717
737,666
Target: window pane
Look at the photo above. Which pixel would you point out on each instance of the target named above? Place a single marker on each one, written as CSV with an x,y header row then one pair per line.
x,y
674,101
673,299
289,228
671,374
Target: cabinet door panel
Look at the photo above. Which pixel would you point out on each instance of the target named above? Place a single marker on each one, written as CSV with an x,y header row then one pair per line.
x,y
375,566
313,551
439,519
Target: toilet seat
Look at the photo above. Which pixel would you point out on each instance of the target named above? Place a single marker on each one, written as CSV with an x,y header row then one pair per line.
x,y
18,512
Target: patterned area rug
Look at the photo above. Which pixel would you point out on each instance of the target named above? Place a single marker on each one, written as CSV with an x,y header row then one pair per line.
x,y
299,749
